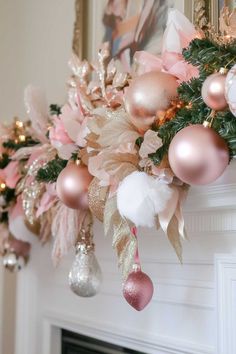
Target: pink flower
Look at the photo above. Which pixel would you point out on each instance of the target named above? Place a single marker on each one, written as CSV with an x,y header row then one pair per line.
x,y
170,62
48,199
57,134
10,174
75,124
178,34
175,64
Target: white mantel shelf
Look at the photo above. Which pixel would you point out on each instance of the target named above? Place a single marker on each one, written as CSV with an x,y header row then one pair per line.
x,y
194,305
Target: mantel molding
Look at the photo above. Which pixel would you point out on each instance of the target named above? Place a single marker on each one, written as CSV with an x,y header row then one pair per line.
x,y
221,194
110,333
225,270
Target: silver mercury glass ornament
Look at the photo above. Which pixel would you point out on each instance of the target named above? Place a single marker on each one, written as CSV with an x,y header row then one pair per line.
x,y
16,254
85,276
13,262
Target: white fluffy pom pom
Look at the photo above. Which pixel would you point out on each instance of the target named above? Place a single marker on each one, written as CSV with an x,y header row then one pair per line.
x,y
141,197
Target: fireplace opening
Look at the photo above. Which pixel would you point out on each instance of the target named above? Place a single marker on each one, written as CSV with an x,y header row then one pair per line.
x,y
73,343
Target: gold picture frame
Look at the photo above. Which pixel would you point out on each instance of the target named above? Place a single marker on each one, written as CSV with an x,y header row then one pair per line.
x,y
200,12
79,33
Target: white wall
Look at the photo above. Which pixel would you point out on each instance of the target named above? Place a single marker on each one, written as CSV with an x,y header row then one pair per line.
x,y
35,45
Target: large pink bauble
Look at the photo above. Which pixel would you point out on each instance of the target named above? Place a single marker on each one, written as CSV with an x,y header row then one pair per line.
x,y
138,290
72,186
148,94
213,92
230,89
198,155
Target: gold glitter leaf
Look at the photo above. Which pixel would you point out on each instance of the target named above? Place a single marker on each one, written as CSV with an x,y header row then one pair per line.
x,y
124,241
97,196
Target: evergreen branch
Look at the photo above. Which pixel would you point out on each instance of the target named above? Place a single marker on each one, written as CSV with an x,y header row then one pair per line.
x,y
50,172
55,109
4,161
8,194
13,145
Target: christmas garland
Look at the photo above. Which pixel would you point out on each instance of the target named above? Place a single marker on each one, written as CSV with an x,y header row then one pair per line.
x,y
124,149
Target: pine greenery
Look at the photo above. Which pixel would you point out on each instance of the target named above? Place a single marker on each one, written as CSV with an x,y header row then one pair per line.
x,y
55,109
209,57
51,170
13,145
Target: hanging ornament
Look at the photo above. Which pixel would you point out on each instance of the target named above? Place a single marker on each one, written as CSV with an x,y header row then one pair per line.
x,y
198,155
230,89
72,185
13,262
213,91
85,276
16,254
138,287
147,95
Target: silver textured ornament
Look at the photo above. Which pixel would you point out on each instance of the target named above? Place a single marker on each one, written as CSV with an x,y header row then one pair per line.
x,y
85,276
13,262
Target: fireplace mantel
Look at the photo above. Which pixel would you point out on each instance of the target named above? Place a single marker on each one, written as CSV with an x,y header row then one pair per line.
x,y
193,309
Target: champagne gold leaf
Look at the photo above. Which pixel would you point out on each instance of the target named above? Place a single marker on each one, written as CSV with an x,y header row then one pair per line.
x,y
109,214
124,242
174,237
97,197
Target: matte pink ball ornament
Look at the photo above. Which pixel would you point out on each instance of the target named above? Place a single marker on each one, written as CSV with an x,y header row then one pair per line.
x,y
138,289
213,91
198,155
72,185
148,94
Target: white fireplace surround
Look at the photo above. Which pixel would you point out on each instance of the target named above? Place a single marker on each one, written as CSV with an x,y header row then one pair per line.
x,y
193,310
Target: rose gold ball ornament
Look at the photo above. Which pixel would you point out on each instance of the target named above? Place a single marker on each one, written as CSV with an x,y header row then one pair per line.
x,y
138,289
148,94
230,89
198,155
72,185
213,91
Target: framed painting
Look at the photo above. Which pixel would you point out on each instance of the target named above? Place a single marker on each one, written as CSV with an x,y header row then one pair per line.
x,y
129,25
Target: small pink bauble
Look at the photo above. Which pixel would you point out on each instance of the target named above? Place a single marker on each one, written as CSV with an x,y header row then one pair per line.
x,y
19,247
230,89
148,94
198,155
213,92
72,186
138,289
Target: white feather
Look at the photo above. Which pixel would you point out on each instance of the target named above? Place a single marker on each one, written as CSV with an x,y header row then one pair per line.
x,y
141,197
37,110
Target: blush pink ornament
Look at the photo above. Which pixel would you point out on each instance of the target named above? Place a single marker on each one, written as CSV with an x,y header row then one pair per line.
x,y
148,94
213,91
138,289
72,186
230,89
198,155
